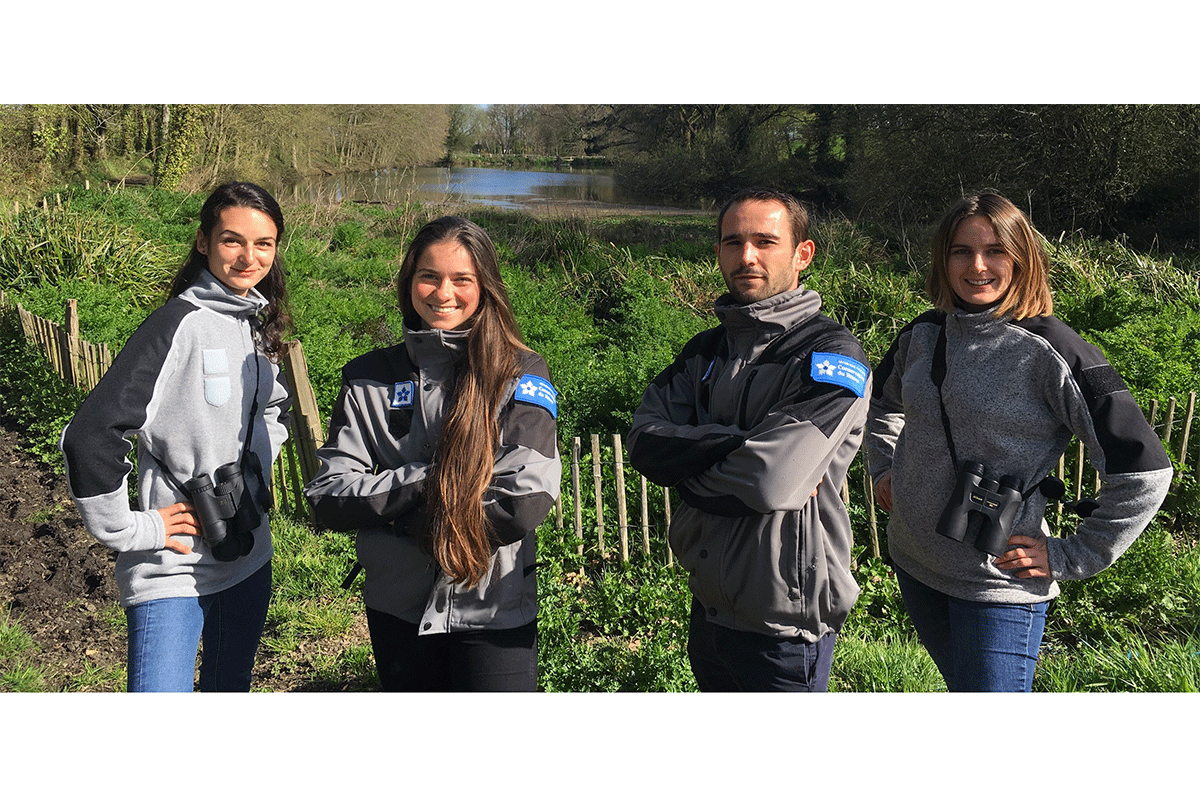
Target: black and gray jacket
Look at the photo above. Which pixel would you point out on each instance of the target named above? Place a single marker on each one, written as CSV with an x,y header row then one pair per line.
x,y
1014,393
752,418
382,439
183,384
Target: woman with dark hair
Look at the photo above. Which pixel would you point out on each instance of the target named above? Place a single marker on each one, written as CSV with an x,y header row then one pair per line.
x,y
198,385
971,408
442,454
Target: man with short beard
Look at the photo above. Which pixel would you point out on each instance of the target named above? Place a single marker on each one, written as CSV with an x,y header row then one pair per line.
x,y
754,426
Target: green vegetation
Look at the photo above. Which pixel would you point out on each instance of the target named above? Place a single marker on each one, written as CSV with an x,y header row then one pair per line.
x,y
1100,170
17,673
608,302
32,392
188,146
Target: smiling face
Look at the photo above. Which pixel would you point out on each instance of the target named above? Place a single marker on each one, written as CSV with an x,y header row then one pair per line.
x,y
241,248
445,288
757,256
979,268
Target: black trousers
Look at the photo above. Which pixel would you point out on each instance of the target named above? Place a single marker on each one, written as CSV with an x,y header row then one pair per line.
x,y
733,660
479,660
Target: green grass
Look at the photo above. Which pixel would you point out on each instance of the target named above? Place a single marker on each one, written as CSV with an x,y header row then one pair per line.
x,y
315,630
1126,664
887,664
17,674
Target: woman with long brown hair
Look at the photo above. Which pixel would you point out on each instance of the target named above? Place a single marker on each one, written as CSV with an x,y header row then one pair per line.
x,y
198,385
442,454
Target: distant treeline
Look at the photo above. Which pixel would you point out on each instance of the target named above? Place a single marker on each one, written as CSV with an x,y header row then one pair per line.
x,y
1115,171
1129,171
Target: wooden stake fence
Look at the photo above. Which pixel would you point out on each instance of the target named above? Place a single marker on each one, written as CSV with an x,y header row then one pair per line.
x,y
79,363
610,461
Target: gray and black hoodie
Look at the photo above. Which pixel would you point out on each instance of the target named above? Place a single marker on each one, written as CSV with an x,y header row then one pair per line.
x,y
382,440
183,385
1014,393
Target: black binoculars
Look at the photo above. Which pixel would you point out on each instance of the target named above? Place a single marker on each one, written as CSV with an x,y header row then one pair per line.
x,y
226,510
981,509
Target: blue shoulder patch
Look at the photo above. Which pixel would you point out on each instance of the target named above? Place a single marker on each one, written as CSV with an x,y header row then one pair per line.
x,y
536,390
828,367
403,393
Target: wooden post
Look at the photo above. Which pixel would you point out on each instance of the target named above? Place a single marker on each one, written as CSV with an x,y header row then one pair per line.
x,y
576,493
622,514
50,344
290,453
599,499
279,492
1062,475
72,360
1079,471
645,518
1187,428
869,493
106,359
667,518
1169,423
310,432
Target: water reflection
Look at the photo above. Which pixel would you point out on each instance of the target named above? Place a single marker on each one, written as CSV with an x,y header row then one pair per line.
x,y
501,188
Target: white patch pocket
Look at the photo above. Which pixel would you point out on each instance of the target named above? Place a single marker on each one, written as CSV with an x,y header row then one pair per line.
x,y
217,386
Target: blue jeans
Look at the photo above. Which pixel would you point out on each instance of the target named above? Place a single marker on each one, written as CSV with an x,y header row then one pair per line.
x,y
723,659
165,634
977,646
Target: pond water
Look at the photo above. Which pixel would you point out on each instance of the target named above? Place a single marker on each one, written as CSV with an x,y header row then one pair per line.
x,y
509,189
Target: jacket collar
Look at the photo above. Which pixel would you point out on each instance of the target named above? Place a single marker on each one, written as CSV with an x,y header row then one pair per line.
x,y
755,325
208,292
426,345
976,320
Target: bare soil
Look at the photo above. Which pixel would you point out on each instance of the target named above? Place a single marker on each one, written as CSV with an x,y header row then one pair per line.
x,y
57,583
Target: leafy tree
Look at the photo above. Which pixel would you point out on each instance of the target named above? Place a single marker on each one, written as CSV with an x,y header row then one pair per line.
x,y
1103,170
183,129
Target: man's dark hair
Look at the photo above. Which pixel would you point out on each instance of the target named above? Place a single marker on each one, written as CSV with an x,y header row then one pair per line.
x,y
796,212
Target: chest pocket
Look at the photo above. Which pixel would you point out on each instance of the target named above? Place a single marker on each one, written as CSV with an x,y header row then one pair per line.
x,y
218,384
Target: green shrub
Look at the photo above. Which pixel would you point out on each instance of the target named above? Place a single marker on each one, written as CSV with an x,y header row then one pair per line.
x,y
32,393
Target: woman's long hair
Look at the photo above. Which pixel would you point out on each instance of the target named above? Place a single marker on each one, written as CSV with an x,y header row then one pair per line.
x,y
459,533
275,319
1029,293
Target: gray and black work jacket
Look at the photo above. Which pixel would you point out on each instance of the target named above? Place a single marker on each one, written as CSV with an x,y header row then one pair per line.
x,y
754,427
382,440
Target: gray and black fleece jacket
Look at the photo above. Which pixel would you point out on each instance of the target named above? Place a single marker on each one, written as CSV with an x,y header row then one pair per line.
x,y
382,440
750,420
1014,393
183,384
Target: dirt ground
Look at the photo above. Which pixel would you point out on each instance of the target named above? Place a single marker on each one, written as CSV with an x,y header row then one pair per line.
x,y
56,581
58,584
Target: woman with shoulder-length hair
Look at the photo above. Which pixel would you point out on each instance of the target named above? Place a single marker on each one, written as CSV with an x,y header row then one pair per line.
x,y
442,454
971,408
198,384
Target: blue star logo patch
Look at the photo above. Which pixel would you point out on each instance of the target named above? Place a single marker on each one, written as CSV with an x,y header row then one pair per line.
x,y
403,393
829,367
536,390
